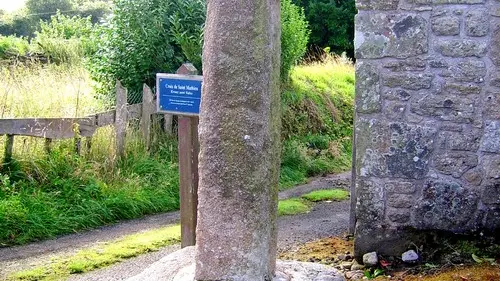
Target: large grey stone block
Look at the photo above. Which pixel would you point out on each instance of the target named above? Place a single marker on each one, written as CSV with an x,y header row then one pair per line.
x,y
491,138
477,22
446,205
446,107
367,88
380,35
461,48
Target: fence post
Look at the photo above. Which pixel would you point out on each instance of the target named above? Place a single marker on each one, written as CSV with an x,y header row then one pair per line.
x,y
88,144
78,145
48,144
120,119
188,168
9,145
168,121
147,110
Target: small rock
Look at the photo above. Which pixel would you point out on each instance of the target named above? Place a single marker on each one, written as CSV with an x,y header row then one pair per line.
x,y
357,266
370,259
348,257
409,256
355,275
342,257
346,265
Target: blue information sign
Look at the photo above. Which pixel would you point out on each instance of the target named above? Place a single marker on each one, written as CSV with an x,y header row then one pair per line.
x,y
178,94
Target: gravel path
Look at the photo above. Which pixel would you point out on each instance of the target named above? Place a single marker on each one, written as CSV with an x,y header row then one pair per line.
x,y
326,219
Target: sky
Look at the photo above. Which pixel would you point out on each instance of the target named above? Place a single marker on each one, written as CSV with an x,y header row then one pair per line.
x,y
11,5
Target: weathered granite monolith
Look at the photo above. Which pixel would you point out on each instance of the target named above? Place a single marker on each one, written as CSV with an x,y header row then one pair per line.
x,y
239,141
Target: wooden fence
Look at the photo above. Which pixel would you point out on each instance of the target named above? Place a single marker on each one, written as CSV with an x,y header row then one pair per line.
x,y
75,128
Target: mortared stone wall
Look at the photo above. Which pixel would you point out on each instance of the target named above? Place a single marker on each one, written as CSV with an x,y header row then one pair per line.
x,y
427,132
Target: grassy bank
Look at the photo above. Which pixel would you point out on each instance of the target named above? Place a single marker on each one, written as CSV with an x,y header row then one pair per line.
x,y
44,195
318,110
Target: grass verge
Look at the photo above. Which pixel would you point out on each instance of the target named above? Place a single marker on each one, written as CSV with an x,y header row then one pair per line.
x,y
295,206
327,194
103,255
292,206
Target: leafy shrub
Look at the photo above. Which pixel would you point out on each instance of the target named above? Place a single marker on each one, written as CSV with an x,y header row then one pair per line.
x,y
294,36
66,38
187,22
13,46
135,45
140,40
18,24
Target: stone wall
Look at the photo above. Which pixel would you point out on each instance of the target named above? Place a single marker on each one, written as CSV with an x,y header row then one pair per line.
x,y
428,119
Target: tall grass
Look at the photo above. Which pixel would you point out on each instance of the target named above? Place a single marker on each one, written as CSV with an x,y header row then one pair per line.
x,y
36,90
317,118
43,195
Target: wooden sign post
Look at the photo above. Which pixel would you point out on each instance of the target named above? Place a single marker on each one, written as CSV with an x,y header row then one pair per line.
x,y
180,94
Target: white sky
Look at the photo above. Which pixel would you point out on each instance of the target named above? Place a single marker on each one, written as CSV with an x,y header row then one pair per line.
x,y
11,5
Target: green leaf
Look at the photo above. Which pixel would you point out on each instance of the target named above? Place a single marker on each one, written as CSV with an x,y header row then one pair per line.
x,y
476,258
378,272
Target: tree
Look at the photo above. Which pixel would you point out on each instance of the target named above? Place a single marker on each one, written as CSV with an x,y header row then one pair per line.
x,y
144,37
331,23
48,6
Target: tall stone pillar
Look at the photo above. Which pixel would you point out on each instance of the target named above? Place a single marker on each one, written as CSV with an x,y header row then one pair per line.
x,y
239,141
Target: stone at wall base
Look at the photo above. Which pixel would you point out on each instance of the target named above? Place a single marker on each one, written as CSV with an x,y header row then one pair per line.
x,y
180,266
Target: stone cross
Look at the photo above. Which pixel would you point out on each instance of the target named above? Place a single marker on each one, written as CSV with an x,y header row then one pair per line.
x,y
239,135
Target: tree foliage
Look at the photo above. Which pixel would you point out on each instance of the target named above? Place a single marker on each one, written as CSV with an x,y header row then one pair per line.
x,y
331,23
144,37
137,42
44,9
66,38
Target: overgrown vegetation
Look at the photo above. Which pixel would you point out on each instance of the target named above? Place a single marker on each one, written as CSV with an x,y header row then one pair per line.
x,y
24,22
317,117
103,255
44,196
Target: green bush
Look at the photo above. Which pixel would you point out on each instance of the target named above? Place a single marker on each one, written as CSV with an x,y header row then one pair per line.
x,y
66,38
149,36
135,45
294,36
13,46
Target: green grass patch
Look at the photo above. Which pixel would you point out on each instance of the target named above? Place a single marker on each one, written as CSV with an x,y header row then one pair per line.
x,y
292,206
327,195
102,255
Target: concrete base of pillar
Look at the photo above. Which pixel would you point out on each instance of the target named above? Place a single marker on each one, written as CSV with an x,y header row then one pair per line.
x,y
180,266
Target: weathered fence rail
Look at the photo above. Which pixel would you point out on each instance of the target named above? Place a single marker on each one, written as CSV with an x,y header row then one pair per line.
x,y
76,128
